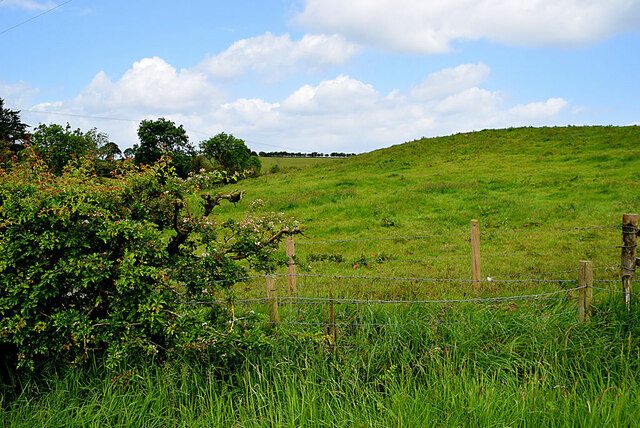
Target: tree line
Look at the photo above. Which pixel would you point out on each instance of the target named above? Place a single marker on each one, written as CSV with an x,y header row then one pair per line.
x,y
285,154
58,145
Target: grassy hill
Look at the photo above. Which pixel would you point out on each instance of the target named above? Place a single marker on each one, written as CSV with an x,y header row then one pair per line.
x,y
504,177
524,180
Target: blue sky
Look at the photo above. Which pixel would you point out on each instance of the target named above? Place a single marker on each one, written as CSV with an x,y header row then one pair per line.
x,y
321,75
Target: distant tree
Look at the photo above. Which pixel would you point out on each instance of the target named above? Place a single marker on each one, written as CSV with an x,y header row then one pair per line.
x,y
109,151
104,148
11,127
96,139
161,135
231,153
58,145
129,153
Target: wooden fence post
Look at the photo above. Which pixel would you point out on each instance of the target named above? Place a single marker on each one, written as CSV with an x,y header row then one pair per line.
x,y
585,280
475,254
629,253
272,296
291,265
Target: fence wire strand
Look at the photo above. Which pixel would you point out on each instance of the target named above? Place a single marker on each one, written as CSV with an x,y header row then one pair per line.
x,y
418,279
400,238
433,259
302,300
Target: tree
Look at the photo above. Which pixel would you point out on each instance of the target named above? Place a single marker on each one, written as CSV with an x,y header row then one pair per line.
x,y
162,135
11,127
104,148
59,145
231,153
109,151
92,267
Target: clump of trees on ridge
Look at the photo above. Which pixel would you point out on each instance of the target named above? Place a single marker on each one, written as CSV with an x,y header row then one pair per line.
x,y
285,154
58,145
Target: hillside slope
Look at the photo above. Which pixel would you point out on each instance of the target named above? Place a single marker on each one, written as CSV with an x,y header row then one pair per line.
x,y
505,178
521,184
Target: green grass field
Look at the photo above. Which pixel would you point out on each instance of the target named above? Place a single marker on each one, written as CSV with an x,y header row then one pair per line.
x,y
526,181
535,192
293,164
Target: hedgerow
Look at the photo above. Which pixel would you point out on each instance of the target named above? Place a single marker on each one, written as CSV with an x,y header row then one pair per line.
x,y
102,267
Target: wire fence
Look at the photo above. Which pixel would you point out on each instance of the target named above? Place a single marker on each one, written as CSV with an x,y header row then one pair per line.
x,y
322,300
419,279
556,292
439,264
441,235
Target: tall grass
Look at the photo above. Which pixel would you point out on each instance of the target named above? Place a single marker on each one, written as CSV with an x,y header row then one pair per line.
x,y
514,370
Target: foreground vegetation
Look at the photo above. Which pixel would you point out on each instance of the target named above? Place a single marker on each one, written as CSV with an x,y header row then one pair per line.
x,y
514,371
468,364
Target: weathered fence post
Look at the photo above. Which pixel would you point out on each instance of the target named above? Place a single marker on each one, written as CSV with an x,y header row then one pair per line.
x,y
475,254
629,253
272,296
585,281
291,265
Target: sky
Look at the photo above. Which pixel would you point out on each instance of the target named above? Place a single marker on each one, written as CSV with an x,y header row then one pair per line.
x,y
321,75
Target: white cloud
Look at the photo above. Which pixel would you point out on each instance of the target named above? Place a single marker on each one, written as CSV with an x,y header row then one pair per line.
x,y
450,80
272,55
342,94
29,4
428,27
342,114
150,86
253,114
17,96
538,110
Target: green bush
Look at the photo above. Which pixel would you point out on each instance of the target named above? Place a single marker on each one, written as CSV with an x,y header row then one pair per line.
x,y
90,266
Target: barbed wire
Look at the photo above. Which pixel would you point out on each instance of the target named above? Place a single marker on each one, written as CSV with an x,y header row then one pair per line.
x,y
630,230
489,279
382,261
440,235
553,229
431,259
302,300
551,273
418,279
392,279
396,238
322,301
541,296
615,291
541,253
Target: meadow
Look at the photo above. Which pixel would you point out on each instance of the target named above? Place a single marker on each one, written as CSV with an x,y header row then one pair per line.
x,y
391,227
271,165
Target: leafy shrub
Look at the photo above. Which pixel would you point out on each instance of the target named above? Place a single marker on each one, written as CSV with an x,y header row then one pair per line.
x,y
90,266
